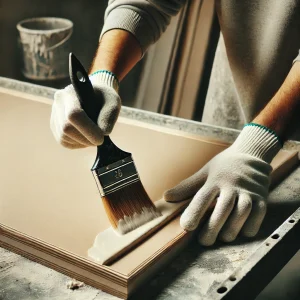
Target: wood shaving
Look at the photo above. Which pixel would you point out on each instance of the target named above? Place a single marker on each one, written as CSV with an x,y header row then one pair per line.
x,y
74,284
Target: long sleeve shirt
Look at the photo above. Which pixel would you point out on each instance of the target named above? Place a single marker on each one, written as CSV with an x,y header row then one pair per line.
x,y
261,38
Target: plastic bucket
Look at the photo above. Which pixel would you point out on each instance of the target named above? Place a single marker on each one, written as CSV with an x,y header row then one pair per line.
x,y
45,43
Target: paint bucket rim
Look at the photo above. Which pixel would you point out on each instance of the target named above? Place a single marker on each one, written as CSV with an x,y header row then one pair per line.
x,y
68,25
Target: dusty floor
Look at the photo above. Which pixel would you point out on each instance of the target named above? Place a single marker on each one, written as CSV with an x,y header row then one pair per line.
x,y
21,279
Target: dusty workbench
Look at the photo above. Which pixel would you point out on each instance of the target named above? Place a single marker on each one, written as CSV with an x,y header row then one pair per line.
x,y
195,273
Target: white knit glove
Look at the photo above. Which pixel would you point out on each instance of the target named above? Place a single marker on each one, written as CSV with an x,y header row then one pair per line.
x,y
238,178
71,126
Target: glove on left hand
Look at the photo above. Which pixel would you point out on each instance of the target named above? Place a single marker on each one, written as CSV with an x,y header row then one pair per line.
x,y
238,178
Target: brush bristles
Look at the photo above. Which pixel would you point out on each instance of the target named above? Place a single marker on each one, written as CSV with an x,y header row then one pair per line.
x,y
129,207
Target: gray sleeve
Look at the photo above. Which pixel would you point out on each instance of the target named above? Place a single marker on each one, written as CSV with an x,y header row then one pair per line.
x,y
297,58
145,19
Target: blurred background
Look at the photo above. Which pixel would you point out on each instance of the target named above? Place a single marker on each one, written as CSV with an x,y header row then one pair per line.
x,y
87,17
191,37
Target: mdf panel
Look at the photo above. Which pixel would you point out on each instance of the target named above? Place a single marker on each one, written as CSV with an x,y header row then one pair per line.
x,y
48,192
50,208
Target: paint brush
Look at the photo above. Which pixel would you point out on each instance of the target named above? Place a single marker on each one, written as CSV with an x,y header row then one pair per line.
x,y
125,200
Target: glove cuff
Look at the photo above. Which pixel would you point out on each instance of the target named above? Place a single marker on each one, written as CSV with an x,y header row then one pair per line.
x,y
105,77
259,141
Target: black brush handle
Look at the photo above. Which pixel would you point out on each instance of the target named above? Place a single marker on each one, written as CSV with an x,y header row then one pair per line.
x,y
108,152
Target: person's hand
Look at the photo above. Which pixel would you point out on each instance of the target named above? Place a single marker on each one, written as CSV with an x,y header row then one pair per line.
x,y
238,178
70,125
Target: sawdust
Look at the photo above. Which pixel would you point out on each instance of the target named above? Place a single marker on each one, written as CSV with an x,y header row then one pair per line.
x,y
74,284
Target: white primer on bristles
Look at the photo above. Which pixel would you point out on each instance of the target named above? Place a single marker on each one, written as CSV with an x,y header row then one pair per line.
x,y
129,223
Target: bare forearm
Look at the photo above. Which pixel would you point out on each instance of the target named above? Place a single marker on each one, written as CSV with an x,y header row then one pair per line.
x,y
118,52
130,27
282,111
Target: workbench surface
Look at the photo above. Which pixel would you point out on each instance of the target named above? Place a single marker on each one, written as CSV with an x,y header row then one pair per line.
x,y
192,275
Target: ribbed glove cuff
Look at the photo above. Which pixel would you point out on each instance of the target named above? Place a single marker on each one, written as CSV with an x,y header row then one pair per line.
x,y
105,77
258,141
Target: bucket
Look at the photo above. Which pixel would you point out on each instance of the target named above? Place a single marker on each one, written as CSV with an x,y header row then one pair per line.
x,y
45,43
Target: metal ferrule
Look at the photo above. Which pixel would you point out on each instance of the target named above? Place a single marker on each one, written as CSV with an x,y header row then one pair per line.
x,y
116,176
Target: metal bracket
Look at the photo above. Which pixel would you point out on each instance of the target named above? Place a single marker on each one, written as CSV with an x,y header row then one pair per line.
x,y
247,281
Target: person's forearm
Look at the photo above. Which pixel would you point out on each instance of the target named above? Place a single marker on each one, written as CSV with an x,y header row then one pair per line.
x,y
282,111
118,52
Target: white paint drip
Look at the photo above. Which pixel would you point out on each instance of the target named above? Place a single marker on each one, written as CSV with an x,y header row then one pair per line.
x,y
108,244
129,223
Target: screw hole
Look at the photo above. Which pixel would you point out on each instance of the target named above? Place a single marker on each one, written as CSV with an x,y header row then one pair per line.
x,y
80,76
267,244
232,278
275,236
291,221
222,290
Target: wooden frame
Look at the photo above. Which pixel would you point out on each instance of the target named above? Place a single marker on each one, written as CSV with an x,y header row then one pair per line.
x,y
49,205
159,65
187,75
174,66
